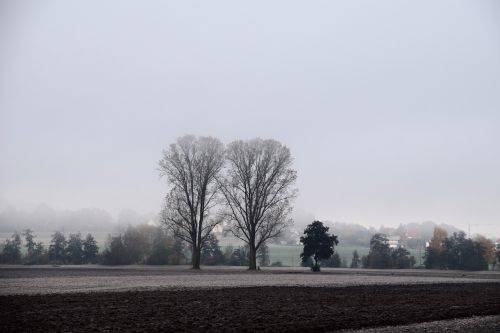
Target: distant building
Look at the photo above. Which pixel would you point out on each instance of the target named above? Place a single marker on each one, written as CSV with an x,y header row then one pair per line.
x,y
414,232
393,242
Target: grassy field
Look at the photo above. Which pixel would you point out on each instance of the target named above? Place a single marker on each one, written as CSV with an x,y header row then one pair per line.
x,y
289,255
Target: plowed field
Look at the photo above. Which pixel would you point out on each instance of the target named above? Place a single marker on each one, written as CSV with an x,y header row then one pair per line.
x,y
293,309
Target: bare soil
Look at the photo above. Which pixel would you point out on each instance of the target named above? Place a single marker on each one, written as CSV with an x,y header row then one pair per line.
x,y
272,309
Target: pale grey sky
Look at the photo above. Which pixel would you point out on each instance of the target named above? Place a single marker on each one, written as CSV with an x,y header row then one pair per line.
x,y
391,108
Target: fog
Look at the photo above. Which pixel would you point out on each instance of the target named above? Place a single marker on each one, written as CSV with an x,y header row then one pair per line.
x,y
391,109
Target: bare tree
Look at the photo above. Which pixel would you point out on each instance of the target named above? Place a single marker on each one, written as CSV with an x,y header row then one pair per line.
x,y
258,190
191,166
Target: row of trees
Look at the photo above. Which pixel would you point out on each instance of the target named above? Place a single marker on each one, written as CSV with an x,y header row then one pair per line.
x,y
381,255
459,252
319,248
153,245
245,186
147,244
73,250
212,254
143,244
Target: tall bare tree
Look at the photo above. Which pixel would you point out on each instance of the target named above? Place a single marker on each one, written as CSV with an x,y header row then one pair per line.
x,y
258,190
191,166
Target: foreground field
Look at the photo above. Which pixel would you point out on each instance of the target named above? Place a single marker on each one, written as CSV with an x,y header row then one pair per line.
x,y
66,279
293,309
176,298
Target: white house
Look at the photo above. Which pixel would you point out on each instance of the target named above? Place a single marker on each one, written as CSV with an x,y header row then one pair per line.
x,y
393,242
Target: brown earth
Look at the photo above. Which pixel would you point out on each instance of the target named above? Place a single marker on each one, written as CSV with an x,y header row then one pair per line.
x,y
313,309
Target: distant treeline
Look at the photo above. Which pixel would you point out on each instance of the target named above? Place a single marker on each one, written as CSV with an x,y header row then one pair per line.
x,y
456,252
73,250
381,255
143,244
45,218
153,245
459,252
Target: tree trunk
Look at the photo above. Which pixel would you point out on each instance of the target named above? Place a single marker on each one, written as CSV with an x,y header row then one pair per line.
x,y
195,257
253,258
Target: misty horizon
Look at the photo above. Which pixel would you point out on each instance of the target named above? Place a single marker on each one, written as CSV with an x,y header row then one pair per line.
x,y
44,218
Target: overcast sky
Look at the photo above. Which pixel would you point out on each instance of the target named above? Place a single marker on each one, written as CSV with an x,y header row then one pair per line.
x,y
391,108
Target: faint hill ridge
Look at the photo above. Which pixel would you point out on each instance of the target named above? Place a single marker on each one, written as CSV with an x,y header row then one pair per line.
x,y
45,218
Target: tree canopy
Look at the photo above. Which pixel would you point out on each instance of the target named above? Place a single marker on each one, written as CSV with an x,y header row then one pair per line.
x,y
458,252
318,243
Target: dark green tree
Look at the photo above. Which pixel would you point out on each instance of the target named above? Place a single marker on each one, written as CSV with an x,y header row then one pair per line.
x,y
11,253
473,256
30,241
364,262
160,255
116,253
211,254
74,249
90,250
40,255
380,252
457,252
318,243
463,253
57,248
240,256
136,245
435,253
307,262
434,258
355,260
401,258
333,261
36,253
